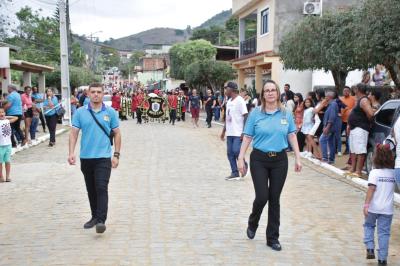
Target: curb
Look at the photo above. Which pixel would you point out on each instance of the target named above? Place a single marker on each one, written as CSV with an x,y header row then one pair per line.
x,y
359,181
36,142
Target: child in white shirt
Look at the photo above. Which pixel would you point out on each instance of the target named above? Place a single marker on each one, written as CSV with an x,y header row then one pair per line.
x,y
5,143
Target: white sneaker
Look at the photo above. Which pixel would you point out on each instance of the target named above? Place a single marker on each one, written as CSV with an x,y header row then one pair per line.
x,y
339,154
304,153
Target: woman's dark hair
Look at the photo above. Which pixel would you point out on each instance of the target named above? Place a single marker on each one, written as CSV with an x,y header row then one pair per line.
x,y
27,87
309,100
377,94
312,95
320,93
300,99
383,157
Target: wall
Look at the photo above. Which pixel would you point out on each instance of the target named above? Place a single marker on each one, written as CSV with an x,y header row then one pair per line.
x,y
290,12
146,76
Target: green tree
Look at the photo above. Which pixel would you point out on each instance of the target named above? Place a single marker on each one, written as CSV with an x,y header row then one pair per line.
x,y
110,56
184,54
376,32
210,73
325,43
77,55
78,77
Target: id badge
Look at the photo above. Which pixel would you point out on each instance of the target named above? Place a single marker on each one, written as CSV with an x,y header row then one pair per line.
x,y
284,122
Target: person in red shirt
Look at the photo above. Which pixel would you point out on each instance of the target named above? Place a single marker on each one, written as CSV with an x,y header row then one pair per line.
x,y
26,98
173,105
134,104
116,101
139,99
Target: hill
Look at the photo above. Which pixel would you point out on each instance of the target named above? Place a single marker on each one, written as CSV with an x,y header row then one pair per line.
x,y
217,20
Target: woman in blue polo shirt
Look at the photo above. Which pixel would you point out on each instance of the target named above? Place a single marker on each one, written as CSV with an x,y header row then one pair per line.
x,y
50,106
270,127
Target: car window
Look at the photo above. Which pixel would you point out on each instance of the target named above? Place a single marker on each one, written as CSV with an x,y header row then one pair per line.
x,y
386,114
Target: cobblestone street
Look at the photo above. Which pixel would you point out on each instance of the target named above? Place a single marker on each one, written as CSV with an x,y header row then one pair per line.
x,y
170,205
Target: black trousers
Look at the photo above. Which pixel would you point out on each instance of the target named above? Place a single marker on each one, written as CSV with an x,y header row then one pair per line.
x,y
301,139
51,121
41,117
139,115
172,116
209,115
269,175
97,174
183,116
16,131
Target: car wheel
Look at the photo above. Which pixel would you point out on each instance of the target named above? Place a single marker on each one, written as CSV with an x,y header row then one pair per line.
x,y
368,161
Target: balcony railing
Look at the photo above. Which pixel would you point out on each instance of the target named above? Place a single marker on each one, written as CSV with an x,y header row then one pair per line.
x,y
248,46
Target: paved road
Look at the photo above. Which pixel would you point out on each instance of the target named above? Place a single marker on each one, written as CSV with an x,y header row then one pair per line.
x,y
170,205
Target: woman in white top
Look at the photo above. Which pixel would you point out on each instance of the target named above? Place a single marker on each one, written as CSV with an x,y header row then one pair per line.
x,y
308,129
396,133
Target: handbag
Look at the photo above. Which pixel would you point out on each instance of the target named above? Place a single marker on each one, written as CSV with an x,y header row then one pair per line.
x,y
60,111
109,135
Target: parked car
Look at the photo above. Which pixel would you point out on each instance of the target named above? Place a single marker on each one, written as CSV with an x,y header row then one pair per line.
x,y
382,125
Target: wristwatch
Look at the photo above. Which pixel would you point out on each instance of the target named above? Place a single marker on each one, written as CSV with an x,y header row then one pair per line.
x,y
116,154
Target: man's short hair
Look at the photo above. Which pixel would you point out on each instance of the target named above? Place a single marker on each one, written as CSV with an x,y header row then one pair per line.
x,y
346,87
12,87
96,85
361,87
232,85
288,85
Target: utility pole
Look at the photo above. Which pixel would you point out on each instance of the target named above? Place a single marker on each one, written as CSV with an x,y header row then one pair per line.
x,y
65,89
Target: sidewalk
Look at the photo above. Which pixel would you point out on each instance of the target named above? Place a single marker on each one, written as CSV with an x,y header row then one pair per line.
x,y
331,168
40,138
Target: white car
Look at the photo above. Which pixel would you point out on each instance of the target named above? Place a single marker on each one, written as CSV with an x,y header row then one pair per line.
x,y
107,100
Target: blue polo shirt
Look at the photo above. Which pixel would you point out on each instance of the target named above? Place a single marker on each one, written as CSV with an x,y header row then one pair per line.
x,y
331,116
269,130
46,105
38,96
94,142
14,98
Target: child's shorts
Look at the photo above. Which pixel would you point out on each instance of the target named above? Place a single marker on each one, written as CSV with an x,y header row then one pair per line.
x,y
5,154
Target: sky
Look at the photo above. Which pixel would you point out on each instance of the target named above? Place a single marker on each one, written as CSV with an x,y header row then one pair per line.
x,y
120,18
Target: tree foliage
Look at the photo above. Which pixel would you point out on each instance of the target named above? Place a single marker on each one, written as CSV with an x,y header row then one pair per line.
x,y
78,77
217,35
184,54
209,73
110,56
323,43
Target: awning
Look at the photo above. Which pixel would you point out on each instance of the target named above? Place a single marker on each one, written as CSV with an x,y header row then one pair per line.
x,y
29,67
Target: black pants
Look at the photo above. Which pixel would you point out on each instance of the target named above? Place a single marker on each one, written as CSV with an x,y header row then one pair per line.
x,y
301,139
209,115
41,117
183,116
51,121
269,175
97,175
16,131
139,115
172,116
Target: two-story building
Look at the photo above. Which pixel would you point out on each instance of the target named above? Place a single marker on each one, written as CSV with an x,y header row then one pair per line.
x,y
262,24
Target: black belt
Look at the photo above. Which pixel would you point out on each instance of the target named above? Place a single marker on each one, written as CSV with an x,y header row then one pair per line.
x,y
271,154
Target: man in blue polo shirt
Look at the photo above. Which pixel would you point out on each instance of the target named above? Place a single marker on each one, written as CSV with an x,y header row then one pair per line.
x,y
13,107
95,153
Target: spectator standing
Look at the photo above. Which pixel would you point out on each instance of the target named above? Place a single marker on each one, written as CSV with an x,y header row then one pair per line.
x,y
359,126
366,78
349,101
194,107
13,107
74,102
328,139
173,105
378,207
375,96
35,119
39,99
287,94
5,144
236,115
50,106
26,99
209,106
310,121
396,135
84,99
217,108
378,77
298,119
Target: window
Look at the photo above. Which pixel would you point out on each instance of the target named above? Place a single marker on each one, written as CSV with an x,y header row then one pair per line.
x,y
385,115
264,21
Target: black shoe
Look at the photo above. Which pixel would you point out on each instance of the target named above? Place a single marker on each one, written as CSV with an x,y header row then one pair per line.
x,y
100,227
382,262
250,234
370,254
209,126
90,224
275,246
